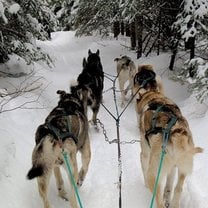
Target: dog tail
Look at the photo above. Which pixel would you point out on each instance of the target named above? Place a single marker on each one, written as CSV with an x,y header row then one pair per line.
x,y
198,150
35,171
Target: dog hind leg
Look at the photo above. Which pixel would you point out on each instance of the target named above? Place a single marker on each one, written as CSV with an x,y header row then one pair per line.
x,y
144,163
71,149
168,187
121,86
43,183
178,190
73,163
151,182
95,110
86,156
185,166
152,175
127,89
60,183
144,157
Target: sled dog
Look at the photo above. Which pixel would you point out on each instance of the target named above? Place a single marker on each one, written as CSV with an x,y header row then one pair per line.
x,y
126,70
92,77
160,116
65,128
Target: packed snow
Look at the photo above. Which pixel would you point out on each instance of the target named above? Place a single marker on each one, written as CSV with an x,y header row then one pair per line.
x,y
100,188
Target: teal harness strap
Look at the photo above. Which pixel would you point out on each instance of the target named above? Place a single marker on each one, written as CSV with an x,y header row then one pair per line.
x,y
162,155
155,116
166,136
62,135
65,155
166,131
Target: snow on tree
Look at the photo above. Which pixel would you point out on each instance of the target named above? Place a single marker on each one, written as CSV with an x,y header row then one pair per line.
x,y
21,23
192,27
190,21
65,12
95,16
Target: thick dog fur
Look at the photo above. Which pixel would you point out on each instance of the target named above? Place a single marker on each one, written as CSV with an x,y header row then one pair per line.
x,y
66,127
126,71
92,77
180,147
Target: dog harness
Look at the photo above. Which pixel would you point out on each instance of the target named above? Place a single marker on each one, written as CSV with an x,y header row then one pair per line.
x,y
158,107
61,135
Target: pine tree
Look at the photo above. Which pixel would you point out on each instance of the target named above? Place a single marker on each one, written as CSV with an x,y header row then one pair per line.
x,y
65,12
95,16
21,23
192,25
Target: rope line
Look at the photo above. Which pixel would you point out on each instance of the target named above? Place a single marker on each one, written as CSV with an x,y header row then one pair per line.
x,y
117,119
158,177
166,135
67,163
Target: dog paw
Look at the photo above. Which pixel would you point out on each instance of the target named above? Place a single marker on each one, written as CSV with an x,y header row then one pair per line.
x,y
63,195
122,105
81,177
125,92
79,183
166,204
95,125
166,197
174,205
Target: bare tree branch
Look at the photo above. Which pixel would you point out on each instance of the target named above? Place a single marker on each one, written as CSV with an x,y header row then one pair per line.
x,y
25,87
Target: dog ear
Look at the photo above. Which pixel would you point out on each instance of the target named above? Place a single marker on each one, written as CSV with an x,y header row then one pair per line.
x,y
61,93
98,52
79,94
73,89
89,52
116,59
84,63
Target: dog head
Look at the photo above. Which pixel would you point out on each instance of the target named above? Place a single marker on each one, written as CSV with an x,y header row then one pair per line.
x,y
84,93
70,102
124,61
145,80
93,59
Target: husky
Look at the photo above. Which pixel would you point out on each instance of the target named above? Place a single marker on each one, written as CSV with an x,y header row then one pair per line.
x,y
92,77
159,115
65,129
126,70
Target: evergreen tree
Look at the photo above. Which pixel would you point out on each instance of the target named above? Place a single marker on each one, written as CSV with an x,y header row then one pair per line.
x,y
21,23
95,15
192,24
64,11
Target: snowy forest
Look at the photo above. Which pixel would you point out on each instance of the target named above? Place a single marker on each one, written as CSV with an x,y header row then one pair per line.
x,y
42,45
176,26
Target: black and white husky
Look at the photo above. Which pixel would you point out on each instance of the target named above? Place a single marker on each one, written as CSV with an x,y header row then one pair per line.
x,y
65,128
92,77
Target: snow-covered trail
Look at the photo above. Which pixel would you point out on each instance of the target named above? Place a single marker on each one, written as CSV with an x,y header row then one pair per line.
x,y
100,187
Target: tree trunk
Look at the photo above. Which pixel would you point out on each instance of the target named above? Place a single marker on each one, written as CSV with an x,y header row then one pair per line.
x,y
122,28
192,47
159,34
139,32
133,35
174,50
116,29
128,33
